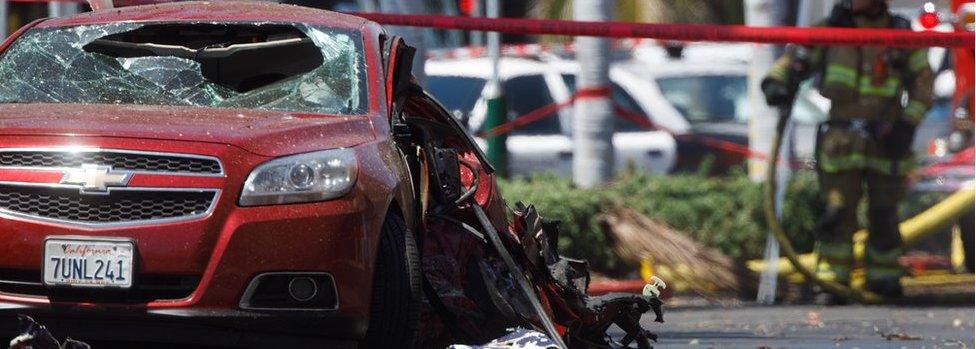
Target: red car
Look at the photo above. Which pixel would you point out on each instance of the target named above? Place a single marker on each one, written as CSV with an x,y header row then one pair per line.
x,y
214,173
257,174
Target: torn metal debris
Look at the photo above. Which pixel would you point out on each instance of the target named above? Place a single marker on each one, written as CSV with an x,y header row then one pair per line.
x,y
485,297
36,336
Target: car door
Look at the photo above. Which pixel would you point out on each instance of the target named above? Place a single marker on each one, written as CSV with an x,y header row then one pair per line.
x,y
540,146
397,65
635,144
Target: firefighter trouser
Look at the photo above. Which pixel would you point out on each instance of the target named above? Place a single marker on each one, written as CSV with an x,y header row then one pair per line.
x,y
842,192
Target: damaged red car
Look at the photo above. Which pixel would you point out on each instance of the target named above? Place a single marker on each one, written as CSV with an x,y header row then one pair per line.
x,y
256,174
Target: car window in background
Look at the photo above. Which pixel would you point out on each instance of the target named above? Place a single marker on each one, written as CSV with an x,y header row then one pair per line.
x,y
458,94
525,94
620,98
708,98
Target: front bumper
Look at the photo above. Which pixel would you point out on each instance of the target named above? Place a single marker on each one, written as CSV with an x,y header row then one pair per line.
x,y
213,327
222,252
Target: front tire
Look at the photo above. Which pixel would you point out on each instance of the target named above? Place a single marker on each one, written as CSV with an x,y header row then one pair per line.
x,y
394,318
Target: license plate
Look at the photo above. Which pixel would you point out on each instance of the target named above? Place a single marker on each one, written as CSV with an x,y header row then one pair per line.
x,y
88,262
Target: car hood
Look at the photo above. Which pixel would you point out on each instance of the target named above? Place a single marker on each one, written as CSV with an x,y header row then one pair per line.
x,y
267,133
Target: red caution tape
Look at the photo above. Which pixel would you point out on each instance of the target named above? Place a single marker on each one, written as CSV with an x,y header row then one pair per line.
x,y
549,110
545,111
593,92
818,36
528,118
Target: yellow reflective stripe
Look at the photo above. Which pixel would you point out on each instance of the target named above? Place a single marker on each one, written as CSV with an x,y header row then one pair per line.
x,y
858,161
886,258
883,165
876,273
853,161
918,60
841,70
840,74
778,72
915,110
888,89
840,80
883,265
835,252
833,272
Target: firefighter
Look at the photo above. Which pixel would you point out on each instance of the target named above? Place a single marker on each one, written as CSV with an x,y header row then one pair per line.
x,y
878,96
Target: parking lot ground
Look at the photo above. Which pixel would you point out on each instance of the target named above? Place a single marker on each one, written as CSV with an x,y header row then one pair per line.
x,y
808,326
698,323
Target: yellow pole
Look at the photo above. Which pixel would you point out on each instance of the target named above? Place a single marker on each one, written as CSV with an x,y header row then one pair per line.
x,y
647,268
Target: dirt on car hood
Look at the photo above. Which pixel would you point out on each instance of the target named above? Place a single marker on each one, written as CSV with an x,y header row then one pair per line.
x,y
267,133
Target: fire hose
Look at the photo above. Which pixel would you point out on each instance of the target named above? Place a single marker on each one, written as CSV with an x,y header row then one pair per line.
x,y
769,195
912,230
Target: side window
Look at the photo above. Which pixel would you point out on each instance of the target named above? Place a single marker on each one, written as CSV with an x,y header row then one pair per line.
x,y
625,123
525,94
458,94
620,99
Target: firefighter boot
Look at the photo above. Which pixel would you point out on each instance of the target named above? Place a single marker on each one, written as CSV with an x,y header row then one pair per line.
x,y
883,272
834,265
883,250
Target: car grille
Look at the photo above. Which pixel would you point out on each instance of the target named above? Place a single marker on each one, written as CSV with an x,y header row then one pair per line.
x,y
150,287
120,160
121,206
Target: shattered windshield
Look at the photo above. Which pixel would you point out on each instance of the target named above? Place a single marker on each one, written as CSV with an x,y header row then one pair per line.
x,y
283,67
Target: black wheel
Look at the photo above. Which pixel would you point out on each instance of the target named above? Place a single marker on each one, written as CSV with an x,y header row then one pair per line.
x,y
394,319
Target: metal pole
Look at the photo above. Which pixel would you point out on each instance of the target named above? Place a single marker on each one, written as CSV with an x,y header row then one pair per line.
x,y
367,5
476,38
413,36
762,125
54,9
3,19
593,156
494,38
453,37
811,11
494,95
61,9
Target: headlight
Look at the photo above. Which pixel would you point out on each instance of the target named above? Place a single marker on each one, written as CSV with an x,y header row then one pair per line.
x,y
317,176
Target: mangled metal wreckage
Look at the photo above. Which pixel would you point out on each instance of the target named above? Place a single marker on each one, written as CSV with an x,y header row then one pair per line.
x,y
484,268
488,268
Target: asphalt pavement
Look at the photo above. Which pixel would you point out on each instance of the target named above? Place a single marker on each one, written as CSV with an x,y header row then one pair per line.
x,y
743,325
808,326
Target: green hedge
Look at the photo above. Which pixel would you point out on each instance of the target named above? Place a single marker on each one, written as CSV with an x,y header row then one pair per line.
x,y
721,212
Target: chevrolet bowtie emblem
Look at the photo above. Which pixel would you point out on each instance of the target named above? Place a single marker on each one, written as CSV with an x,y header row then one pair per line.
x,y
96,179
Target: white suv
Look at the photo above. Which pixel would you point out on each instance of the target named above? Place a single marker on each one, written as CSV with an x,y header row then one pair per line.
x,y
544,145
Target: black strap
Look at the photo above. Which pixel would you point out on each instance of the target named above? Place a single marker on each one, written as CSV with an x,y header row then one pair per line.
x,y
447,317
519,276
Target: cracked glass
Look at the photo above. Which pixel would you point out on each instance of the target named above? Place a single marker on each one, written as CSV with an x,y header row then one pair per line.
x,y
57,65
